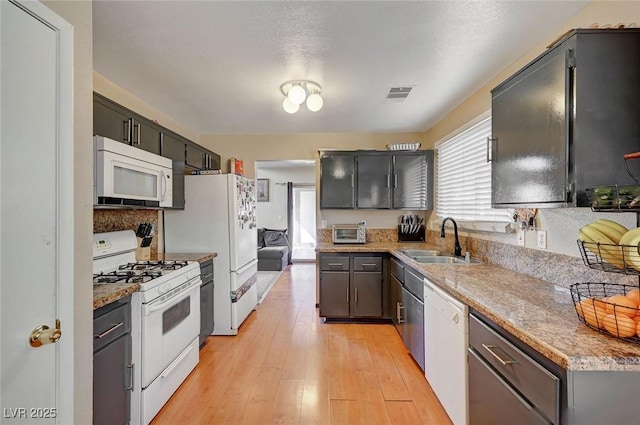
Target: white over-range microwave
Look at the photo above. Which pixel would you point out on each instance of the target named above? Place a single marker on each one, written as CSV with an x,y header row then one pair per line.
x,y
128,176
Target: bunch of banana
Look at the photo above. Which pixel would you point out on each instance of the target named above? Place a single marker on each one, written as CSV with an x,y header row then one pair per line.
x,y
608,234
631,247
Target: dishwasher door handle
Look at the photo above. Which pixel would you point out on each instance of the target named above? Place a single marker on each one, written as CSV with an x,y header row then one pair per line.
x,y
504,362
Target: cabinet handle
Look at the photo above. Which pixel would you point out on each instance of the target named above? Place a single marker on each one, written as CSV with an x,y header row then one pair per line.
x,y
399,309
131,375
356,288
126,131
395,181
490,348
332,265
352,180
108,331
490,142
347,294
136,135
388,179
369,264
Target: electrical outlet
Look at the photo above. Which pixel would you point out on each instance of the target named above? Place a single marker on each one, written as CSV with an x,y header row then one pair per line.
x,y
542,239
521,234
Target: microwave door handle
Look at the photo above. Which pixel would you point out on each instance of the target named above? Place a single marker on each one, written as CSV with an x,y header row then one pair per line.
x,y
163,184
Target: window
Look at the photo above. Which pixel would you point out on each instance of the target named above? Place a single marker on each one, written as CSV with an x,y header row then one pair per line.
x,y
463,182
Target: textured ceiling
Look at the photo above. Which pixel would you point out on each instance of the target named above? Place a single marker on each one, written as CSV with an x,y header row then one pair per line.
x,y
217,66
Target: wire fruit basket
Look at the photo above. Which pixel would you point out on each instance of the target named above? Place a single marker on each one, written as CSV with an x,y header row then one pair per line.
x,y
609,308
612,258
614,198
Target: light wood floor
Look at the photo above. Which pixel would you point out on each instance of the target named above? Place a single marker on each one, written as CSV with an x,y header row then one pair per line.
x,y
288,367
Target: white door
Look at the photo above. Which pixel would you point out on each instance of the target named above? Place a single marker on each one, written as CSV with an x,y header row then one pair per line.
x,y
36,213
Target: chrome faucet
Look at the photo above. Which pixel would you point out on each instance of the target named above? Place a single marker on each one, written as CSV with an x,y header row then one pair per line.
x,y
457,250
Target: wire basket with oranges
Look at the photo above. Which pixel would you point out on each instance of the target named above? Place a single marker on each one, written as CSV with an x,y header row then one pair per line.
x,y
611,309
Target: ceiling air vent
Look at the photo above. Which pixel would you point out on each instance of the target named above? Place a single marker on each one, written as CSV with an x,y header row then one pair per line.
x,y
399,94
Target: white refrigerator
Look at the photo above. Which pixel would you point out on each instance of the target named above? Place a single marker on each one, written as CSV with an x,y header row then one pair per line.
x,y
219,216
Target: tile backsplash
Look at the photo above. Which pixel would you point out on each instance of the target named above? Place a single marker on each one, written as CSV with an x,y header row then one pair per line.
x,y
106,220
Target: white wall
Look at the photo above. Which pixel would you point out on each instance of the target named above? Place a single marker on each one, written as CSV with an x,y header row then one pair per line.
x,y
273,214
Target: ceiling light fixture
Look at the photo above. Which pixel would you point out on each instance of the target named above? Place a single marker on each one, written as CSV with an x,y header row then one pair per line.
x,y
297,91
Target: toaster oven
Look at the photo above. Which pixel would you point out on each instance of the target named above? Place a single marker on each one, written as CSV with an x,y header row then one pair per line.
x,y
349,233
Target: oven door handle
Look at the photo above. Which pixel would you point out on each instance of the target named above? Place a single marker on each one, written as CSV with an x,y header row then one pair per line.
x,y
172,300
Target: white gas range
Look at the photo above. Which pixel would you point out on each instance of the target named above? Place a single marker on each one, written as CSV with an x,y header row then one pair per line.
x,y
165,318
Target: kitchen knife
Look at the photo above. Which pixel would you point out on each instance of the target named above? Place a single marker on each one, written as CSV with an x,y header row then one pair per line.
x,y
140,231
146,241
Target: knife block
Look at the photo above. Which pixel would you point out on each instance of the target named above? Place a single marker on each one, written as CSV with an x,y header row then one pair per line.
x,y
142,254
417,236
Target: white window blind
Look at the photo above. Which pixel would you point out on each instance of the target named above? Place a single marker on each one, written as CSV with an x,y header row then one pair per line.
x,y
463,182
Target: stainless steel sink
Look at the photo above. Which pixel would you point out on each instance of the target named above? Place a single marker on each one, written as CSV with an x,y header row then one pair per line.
x,y
444,260
424,253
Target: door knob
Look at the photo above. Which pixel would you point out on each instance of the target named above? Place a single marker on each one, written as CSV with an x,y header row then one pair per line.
x,y
43,334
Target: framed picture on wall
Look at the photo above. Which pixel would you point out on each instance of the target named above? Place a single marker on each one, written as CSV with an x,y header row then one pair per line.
x,y
263,190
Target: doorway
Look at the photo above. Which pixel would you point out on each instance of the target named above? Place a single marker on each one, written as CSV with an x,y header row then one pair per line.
x,y
303,221
290,203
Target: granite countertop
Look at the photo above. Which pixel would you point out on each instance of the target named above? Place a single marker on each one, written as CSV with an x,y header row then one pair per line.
x,y
537,312
189,256
106,293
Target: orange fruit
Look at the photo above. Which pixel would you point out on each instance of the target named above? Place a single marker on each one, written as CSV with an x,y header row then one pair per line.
x,y
620,325
634,295
622,305
591,312
602,303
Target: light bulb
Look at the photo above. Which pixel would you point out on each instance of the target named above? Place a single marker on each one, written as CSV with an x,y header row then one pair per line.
x,y
314,102
289,106
296,94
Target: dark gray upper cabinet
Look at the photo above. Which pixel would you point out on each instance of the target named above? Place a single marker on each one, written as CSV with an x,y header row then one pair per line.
x,y
200,158
145,135
413,180
172,147
118,123
110,121
563,123
337,180
374,181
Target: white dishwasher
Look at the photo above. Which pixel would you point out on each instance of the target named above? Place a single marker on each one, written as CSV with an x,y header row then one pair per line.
x,y
446,338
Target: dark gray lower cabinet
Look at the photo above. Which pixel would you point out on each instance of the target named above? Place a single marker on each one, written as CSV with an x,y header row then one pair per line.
x,y
492,400
112,368
367,294
406,299
350,286
395,302
412,317
206,301
334,294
